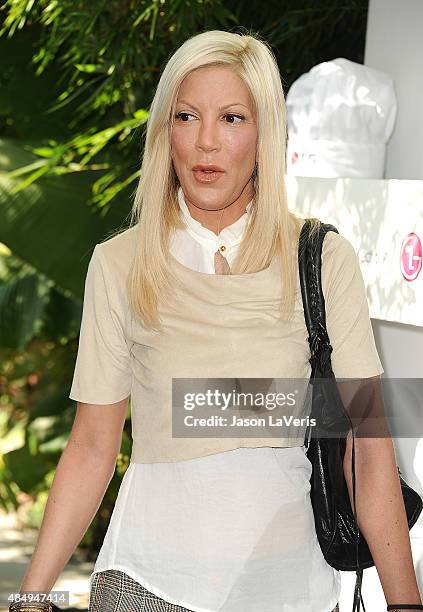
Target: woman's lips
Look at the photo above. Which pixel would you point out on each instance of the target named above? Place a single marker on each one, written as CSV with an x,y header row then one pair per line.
x,y
207,176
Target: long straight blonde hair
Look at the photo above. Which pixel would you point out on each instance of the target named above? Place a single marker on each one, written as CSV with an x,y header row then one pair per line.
x,y
273,229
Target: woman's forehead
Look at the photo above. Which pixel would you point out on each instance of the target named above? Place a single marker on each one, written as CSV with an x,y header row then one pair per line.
x,y
214,85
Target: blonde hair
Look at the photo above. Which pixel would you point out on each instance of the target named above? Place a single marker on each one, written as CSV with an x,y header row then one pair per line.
x,y
273,229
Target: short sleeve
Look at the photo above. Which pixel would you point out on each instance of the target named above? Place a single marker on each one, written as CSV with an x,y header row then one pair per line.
x,y
348,321
102,372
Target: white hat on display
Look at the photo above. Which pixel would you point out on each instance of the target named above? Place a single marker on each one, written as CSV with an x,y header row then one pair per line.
x,y
340,116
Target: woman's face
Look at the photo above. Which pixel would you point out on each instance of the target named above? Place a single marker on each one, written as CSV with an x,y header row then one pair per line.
x,y
214,124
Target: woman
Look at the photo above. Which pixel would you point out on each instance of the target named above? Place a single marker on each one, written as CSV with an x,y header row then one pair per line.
x,y
204,285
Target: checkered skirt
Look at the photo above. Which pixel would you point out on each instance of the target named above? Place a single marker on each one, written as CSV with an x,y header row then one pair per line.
x,y
115,591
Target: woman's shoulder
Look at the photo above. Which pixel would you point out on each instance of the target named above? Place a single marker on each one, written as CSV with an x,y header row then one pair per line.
x,y
337,248
341,271
117,251
338,257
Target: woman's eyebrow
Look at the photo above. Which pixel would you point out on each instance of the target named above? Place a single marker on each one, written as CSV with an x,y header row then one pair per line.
x,y
220,108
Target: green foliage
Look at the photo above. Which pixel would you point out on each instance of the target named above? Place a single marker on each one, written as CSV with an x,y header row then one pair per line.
x,y
117,46
108,73
111,55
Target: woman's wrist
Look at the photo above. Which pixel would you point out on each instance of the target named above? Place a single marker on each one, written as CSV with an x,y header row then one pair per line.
x,y
404,607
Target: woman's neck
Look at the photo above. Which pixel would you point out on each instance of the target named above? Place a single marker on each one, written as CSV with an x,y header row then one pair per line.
x,y
217,220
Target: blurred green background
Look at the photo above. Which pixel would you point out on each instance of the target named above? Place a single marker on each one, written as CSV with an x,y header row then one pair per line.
x,y
76,82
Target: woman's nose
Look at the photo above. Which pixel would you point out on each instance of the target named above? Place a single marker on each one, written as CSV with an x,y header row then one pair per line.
x,y
208,137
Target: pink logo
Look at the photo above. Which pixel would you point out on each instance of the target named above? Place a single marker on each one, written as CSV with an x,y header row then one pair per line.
x,y
294,158
411,257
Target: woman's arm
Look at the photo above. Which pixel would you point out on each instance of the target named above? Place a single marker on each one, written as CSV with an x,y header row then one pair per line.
x,y
82,476
381,513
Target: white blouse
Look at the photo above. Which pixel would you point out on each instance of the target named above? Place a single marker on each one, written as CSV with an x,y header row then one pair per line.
x,y
228,532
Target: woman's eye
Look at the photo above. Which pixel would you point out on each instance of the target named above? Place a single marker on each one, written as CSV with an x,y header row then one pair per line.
x,y
241,117
181,114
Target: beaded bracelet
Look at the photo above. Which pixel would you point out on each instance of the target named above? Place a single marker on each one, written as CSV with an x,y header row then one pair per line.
x,y
23,606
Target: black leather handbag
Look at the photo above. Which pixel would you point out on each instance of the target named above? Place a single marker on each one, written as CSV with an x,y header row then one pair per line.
x,y
342,543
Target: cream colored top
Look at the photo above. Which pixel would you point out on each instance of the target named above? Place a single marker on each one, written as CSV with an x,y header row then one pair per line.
x,y
219,326
228,531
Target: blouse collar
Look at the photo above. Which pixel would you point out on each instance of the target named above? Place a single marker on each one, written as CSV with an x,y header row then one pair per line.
x,y
228,236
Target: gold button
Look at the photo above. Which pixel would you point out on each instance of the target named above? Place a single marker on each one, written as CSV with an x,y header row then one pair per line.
x,y
222,248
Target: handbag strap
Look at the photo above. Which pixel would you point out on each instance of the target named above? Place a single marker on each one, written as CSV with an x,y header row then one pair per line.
x,y
310,264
